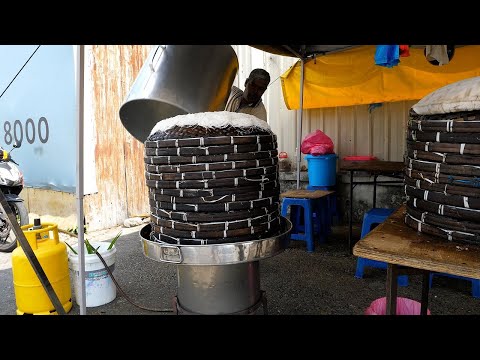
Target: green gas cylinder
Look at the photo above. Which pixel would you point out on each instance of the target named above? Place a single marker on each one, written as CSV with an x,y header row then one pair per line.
x,y
31,298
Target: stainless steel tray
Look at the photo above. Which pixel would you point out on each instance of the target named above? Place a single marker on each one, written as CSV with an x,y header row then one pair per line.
x,y
218,254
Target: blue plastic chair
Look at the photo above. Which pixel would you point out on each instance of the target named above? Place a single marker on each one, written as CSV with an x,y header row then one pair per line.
x,y
373,217
303,220
475,282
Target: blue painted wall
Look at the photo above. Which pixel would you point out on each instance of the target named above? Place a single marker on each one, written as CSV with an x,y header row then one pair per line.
x,y
39,108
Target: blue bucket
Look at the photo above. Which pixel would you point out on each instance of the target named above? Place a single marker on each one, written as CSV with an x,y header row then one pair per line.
x,y
322,169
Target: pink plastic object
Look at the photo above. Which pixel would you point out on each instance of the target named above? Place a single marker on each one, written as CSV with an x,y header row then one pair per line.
x,y
404,307
317,143
360,158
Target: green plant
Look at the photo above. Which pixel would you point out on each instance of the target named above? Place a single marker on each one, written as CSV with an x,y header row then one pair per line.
x,y
74,230
91,249
114,240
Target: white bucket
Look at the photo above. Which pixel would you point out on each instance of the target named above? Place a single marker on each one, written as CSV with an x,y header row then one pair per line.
x,y
99,286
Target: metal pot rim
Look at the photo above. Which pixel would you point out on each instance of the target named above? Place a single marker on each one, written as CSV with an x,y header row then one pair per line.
x,y
217,254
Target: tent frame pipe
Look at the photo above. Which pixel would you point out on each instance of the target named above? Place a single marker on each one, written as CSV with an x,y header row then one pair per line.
x,y
80,60
299,124
300,119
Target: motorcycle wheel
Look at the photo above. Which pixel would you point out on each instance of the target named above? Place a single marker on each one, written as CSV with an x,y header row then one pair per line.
x,y
9,243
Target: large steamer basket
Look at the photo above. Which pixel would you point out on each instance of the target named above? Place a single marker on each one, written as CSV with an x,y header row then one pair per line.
x,y
221,278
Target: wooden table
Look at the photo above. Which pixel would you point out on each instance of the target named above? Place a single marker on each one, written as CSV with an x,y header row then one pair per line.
x,y
376,168
407,251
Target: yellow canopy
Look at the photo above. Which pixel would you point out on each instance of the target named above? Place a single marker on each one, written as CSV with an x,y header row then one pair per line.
x,y
351,77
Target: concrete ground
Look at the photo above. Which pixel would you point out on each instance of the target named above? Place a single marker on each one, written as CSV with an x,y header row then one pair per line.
x,y
295,282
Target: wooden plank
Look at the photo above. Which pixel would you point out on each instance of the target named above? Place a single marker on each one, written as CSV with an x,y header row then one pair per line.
x,y
119,164
306,194
136,190
396,243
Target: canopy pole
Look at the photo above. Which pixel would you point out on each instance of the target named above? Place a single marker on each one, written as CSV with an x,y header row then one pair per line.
x,y
80,57
299,123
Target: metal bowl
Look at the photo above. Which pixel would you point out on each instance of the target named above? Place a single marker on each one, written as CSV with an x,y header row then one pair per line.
x,y
177,80
218,254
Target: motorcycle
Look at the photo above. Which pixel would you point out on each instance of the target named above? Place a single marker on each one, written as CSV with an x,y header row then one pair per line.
x,y
11,184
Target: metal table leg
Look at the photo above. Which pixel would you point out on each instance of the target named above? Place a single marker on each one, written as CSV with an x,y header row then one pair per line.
x,y
392,285
392,272
425,290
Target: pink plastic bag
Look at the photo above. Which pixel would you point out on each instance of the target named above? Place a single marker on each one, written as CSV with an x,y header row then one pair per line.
x,y
317,143
404,307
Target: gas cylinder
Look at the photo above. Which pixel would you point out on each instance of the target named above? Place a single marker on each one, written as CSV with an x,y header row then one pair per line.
x,y
31,297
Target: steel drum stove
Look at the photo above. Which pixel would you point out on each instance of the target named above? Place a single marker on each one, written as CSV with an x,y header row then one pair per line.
x,y
221,278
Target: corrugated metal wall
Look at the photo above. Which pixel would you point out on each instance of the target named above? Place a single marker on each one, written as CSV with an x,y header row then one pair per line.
x,y
354,129
120,172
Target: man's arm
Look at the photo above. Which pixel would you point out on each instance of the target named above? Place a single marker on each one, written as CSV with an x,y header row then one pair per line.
x,y
233,101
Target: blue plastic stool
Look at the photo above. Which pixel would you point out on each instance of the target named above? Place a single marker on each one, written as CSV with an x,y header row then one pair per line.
x,y
373,217
321,218
475,282
301,216
331,203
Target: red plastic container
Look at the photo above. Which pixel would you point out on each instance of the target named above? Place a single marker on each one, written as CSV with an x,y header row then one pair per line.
x,y
360,158
404,307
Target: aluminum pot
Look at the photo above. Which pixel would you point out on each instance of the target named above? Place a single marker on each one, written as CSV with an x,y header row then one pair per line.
x,y
176,80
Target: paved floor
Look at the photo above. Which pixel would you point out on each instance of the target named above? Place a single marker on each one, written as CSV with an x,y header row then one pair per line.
x,y
295,283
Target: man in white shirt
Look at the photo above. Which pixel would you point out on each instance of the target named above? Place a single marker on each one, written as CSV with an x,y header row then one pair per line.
x,y
249,101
